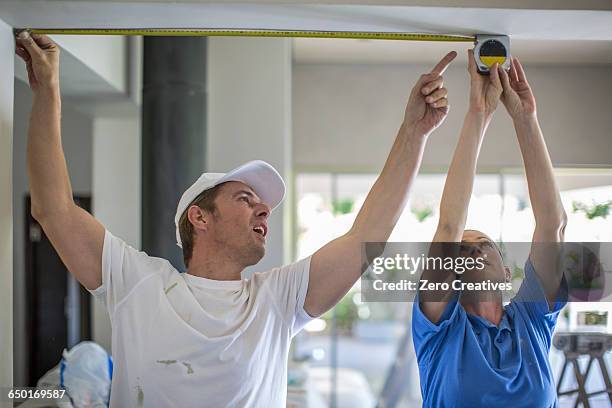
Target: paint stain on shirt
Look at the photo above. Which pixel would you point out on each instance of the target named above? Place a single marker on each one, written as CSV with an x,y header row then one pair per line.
x,y
166,362
189,369
140,396
171,287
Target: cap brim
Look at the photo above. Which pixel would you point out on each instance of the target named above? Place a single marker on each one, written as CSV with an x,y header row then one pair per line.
x,y
262,178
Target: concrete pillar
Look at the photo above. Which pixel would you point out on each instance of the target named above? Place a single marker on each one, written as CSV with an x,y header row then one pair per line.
x,y
7,77
249,117
116,193
173,131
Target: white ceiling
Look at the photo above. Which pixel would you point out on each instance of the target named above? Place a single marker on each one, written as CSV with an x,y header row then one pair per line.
x,y
542,31
511,4
520,23
539,52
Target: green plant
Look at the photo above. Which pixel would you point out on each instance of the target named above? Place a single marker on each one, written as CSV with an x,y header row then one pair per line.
x,y
593,318
422,213
583,269
565,313
592,211
521,204
517,271
343,206
346,314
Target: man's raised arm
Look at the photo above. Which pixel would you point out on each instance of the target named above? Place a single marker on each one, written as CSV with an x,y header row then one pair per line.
x,y
75,234
485,92
548,210
337,266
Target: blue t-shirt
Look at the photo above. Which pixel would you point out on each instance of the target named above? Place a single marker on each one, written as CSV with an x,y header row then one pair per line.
x,y
466,361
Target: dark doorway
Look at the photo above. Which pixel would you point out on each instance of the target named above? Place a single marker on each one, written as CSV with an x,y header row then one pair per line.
x,y
57,307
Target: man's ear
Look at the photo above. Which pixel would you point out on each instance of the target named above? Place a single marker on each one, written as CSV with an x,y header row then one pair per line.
x,y
508,273
198,217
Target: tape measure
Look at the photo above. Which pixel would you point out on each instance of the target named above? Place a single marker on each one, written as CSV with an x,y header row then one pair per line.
x,y
491,49
192,32
488,49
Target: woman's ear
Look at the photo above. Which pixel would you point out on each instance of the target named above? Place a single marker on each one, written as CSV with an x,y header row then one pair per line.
x,y
508,273
197,217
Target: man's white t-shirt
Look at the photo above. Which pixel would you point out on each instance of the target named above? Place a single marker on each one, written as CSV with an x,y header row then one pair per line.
x,y
180,340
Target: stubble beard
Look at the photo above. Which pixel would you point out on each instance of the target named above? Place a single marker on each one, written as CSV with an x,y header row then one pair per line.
x,y
245,252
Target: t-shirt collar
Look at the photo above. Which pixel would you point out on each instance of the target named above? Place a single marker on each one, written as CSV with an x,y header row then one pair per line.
x,y
503,324
201,282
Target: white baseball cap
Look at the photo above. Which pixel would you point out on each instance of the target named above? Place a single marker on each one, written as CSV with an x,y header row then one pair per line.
x,y
257,174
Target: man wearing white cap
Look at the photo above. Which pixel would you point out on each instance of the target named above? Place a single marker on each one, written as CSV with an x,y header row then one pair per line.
x,y
208,337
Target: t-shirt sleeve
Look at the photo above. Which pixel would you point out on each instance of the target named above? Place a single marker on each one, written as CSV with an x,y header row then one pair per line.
x,y
532,303
288,286
426,335
532,295
123,268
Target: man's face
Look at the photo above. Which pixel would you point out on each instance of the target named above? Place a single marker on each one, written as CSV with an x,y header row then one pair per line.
x,y
240,224
478,244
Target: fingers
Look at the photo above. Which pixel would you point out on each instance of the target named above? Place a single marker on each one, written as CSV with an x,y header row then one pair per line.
x,y
513,72
432,86
435,73
505,80
434,92
443,64
471,64
25,40
43,41
440,103
429,87
494,76
22,53
434,97
519,70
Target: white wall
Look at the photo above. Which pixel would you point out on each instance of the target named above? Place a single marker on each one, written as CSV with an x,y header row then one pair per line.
x,y
76,141
106,56
6,205
116,194
345,117
249,117
91,66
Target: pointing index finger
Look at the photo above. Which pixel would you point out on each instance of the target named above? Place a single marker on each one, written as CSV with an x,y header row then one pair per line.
x,y
444,63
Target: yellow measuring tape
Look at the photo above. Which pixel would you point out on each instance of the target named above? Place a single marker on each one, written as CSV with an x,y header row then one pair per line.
x,y
191,32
